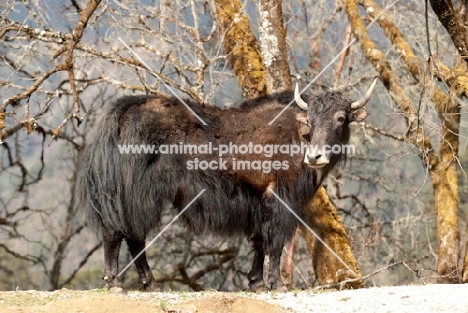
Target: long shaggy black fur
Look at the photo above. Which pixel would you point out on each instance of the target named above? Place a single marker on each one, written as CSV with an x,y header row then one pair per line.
x,y
124,194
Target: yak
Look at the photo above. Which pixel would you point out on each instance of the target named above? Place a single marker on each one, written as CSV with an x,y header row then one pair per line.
x,y
124,194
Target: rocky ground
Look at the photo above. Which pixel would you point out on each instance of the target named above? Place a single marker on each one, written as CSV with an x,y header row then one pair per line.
x,y
427,298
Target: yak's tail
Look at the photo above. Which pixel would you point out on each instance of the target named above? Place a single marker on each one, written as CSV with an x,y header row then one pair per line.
x,y
106,178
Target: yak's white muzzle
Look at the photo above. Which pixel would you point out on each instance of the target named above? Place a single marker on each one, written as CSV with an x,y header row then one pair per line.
x,y
316,159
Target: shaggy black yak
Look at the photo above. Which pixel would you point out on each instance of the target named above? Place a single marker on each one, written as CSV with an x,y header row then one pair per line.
x,y
124,193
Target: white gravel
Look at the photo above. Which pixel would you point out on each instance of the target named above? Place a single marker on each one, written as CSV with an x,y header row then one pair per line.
x,y
426,298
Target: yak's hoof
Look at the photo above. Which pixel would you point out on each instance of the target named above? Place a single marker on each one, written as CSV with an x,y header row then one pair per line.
x,y
117,290
278,286
282,289
257,287
150,288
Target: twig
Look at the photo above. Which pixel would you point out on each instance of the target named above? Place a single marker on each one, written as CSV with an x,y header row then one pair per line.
x,y
340,65
82,263
381,131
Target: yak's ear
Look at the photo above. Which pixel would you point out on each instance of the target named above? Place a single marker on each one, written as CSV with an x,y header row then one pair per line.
x,y
303,129
359,115
302,117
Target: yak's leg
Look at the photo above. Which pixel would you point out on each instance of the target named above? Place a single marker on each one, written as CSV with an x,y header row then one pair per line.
x,y
255,275
274,278
112,241
144,271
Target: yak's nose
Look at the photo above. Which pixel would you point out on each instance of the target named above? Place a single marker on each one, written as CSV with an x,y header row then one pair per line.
x,y
316,160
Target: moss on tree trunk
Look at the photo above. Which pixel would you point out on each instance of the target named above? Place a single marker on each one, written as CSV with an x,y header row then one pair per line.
x,y
241,47
324,219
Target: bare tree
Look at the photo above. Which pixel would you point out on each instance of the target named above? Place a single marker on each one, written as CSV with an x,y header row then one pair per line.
x,y
441,163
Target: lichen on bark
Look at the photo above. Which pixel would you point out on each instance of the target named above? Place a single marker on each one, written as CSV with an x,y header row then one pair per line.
x,y
273,46
241,47
322,216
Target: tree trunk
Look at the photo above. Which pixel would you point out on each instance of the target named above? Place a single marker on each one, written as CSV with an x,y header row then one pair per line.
x,y
324,219
62,243
455,22
287,270
445,186
273,46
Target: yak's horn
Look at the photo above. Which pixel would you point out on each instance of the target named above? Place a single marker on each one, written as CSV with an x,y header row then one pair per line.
x,y
362,102
301,103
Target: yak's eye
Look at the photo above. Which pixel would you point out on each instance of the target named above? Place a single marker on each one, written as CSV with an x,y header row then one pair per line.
x,y
340,117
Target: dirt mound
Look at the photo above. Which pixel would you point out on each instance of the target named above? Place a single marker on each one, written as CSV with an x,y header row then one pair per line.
x,y
94,302
105,303
224,303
